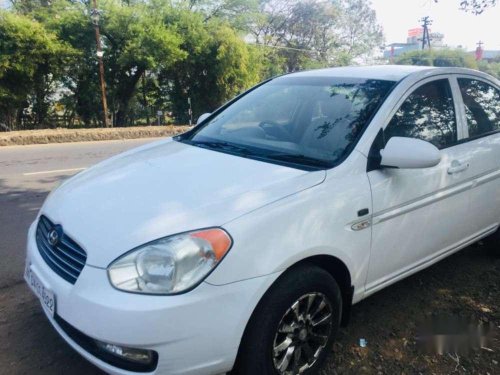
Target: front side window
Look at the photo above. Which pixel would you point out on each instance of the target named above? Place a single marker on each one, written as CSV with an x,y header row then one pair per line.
x,y
482,106
427,114
311,121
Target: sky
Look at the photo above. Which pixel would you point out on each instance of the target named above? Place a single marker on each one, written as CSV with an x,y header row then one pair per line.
x,y
458,27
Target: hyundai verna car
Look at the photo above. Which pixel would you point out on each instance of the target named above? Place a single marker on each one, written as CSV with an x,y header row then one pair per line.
x,y
242,244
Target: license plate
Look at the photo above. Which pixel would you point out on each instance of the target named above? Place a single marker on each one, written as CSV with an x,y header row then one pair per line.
x,y
44,294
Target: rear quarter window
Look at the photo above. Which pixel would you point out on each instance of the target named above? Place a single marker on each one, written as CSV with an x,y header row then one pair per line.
x,y
482,106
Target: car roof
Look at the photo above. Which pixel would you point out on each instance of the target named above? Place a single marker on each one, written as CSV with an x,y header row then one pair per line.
x,y
382,72
389,72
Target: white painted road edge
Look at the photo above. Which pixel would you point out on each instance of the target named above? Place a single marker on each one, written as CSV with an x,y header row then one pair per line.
x,y
54,171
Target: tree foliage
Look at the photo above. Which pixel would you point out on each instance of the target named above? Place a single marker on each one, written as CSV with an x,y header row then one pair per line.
x,y
438,57
169,56
317,33
491,67
476,6
219,65
449,57
32,60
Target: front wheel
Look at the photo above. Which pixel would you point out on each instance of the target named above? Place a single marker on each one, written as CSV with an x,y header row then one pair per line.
x,y
293,328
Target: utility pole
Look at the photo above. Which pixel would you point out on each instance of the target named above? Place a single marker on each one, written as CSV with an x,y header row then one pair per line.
x,y
479,51
426,38
190,112
95,16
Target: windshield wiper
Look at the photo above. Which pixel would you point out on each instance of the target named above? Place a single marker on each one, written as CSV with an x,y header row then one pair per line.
x,y
299,159
221,145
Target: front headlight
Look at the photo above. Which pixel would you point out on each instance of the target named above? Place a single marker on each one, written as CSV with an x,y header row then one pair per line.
x,y
172,264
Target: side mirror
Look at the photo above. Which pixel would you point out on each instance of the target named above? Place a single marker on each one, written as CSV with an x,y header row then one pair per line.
x,y
409,153
202,118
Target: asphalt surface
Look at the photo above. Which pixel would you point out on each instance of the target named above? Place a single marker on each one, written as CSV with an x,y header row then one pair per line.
x,y
28,344
27,175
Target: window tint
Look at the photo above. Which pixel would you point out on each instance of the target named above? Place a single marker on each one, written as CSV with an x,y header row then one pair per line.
x,y
278,108
482,106
427,114
302,120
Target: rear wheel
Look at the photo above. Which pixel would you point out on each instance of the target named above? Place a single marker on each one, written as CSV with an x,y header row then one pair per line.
x,y
293,328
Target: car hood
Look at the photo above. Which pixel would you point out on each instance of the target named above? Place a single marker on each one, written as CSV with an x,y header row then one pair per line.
x,y
162,189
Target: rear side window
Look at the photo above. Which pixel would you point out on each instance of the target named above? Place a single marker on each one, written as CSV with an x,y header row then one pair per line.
x,y
482,106
427,114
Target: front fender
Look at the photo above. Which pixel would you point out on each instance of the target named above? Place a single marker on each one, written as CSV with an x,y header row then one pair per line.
x,y
312,222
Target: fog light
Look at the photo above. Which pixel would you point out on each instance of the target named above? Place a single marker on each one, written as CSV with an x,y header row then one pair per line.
x,y
130,354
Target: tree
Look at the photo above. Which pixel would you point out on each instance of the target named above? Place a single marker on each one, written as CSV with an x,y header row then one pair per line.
x,y
32,60
476,6
490,67
359,33
298,31
71,24
157,54
135,40
238,13
219,65
438,57
317,33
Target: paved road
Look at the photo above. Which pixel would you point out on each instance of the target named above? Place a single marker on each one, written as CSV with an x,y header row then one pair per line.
x,y
27,174
28,344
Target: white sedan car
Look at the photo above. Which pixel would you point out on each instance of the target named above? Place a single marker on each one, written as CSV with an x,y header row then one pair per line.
x,y
242,244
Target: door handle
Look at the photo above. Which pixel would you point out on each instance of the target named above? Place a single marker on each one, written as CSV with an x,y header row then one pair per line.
x,y
457,167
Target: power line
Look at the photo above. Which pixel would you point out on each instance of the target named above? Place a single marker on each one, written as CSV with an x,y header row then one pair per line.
x,y
283,47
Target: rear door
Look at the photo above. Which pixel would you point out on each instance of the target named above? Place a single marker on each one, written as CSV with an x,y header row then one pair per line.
x,y
420,214
480,110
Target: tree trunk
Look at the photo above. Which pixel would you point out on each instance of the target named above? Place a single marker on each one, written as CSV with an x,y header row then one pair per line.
x,y
146,107
41,88
125,95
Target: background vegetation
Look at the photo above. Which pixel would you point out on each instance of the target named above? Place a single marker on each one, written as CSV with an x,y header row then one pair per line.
x,y
158,54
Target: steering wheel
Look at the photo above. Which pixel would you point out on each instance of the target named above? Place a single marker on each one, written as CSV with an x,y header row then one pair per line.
x,y
275,130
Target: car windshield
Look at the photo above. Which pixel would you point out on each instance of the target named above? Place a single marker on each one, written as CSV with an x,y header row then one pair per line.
x,y
303,121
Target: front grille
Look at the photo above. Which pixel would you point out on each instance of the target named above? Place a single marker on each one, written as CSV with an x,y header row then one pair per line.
x,y
65,257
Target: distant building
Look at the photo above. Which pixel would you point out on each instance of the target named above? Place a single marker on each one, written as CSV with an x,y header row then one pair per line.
x,y
413,42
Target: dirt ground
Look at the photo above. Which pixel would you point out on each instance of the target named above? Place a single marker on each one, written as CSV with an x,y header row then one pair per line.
x,y
466,284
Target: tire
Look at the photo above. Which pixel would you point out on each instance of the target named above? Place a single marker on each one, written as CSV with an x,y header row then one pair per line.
x,y
264,349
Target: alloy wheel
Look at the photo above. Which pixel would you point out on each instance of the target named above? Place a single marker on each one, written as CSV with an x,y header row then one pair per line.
x,y
303,334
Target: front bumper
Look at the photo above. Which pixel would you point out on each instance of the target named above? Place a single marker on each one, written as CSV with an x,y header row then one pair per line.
x,y
194,333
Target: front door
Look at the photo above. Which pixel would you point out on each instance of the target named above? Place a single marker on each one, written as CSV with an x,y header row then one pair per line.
x,y
419,214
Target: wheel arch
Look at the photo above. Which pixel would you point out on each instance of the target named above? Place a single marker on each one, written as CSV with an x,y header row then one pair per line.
x,y
331,264
336,268
339,271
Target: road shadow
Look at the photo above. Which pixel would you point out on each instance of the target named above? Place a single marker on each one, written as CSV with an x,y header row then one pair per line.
x,y
28,342
18,208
